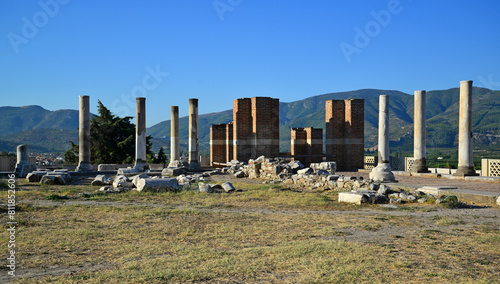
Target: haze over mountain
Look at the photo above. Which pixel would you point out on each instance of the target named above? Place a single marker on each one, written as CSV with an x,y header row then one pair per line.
x,y
50,130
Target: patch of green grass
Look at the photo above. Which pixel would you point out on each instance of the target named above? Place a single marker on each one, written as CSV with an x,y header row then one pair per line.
x,y
432,231
56,197
4,184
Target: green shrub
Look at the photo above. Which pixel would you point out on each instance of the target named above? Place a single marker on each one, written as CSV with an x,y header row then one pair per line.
x,y
449,201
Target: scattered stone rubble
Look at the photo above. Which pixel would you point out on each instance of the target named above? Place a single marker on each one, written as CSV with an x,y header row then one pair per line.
x,y
321,177
384,194
145,182
58,176
316,177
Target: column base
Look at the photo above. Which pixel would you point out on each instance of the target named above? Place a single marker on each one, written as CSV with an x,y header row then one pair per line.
x,y
140,166
194,167
382,172
84,167
464,171
420,166
23,169
179,164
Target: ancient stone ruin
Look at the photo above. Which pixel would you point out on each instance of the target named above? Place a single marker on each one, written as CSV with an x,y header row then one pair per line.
x,y
254,131
345,142
248,147
23,167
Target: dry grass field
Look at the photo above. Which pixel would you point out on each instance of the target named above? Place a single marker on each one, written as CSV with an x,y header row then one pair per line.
x,y
258,234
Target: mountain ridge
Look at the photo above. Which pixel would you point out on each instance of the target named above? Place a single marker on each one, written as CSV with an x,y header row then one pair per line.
x,y
441,115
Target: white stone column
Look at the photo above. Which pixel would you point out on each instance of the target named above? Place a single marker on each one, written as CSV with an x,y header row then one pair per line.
x,y
419,152
194,164
174,133
84,136
22,154
382,172
140,134
465,161
23,166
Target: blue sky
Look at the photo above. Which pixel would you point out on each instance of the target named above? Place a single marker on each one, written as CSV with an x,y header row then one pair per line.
x,y
52,51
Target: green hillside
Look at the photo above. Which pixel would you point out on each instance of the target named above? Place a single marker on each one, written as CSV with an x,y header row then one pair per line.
x,y
18,119
441,113
50,130
41,140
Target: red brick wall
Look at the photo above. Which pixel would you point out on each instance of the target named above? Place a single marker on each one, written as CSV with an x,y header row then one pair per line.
x,y
229,142
242,129
335,130
345,133
218,143
298,142
255,128
265,116
275,123
315,143
305,143
355,110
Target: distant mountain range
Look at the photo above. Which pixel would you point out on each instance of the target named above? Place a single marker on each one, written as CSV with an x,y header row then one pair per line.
x,y
49,131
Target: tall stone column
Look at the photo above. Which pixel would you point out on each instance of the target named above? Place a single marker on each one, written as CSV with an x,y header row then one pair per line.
x,y
194,165
140,133
465,162
84,136
174,133
419,153
23,167
382,172
22,154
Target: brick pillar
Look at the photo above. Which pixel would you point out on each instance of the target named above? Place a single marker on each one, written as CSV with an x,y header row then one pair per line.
x,y
298,144
242,129
335,131
218,143
229,142
275,128
355,133
265,127
314,143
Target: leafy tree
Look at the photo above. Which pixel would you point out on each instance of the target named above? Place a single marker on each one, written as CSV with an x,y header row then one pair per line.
x,y
112,139
71,155
161,158
7,154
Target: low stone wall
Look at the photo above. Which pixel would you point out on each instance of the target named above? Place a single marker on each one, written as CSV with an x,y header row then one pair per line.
x,y
370,162
490,167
